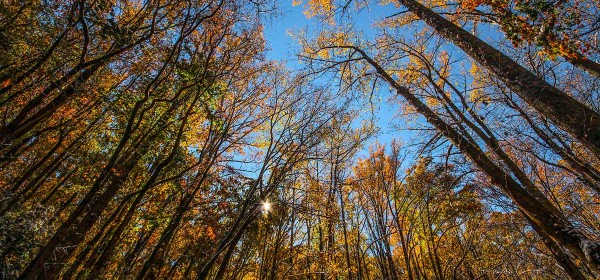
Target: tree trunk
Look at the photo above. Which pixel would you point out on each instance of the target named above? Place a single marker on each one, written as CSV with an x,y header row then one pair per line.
x,y
555,227
569,114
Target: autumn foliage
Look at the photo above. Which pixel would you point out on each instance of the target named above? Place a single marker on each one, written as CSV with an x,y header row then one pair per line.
x,y
158,140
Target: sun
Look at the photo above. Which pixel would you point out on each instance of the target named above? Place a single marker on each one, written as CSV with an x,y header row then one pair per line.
x,y
266,206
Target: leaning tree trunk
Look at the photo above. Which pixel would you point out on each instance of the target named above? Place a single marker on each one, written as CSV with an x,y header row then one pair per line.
x,y
572,116
543,219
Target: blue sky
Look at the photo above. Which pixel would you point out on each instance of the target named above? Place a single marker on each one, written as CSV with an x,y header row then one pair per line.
x,y
284,48
291,18
281,45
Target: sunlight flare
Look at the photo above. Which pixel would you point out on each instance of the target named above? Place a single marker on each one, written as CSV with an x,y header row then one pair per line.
x,y
266,206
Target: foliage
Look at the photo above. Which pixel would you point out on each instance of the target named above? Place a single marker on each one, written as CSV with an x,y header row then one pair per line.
x,y
143,139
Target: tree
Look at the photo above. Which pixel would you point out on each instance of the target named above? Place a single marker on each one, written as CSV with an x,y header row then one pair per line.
x,y
465,133
539,23
157,140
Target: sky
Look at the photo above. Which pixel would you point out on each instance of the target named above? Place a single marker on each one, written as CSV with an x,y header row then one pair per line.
x,y
281,46
291,18
277,30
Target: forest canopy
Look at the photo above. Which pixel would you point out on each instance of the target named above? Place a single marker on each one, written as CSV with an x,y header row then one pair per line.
x,y
167,139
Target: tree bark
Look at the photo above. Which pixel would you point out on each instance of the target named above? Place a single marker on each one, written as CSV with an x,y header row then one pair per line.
x,y
550,224
572,116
